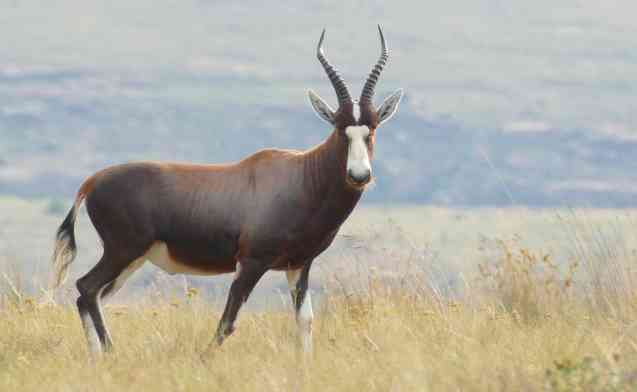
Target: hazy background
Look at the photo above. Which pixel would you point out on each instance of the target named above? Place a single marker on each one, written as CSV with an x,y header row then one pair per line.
x,y
510,105
507,102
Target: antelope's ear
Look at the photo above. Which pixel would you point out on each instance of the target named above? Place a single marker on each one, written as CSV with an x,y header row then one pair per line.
x,y
389,106
322,109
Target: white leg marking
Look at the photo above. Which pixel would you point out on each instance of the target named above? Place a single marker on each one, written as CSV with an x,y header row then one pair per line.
x,y
304,314
237,270
93,340
304,321
94,344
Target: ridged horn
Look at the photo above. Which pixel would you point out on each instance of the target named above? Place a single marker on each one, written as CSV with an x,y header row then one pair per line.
x,y
368,90
342,93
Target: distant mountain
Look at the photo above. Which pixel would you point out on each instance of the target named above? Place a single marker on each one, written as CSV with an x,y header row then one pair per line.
x,y
49,144
507,102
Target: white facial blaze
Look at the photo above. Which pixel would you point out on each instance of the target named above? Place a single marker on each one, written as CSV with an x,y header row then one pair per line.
x,y
358,164
357,111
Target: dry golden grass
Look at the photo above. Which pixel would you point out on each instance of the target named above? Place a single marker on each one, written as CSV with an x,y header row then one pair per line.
x,y
535,334
560,319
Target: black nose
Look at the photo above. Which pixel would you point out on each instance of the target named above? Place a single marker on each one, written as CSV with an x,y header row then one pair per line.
x,y
360,178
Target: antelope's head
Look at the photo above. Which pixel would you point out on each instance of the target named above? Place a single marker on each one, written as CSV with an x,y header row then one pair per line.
x,y
356,121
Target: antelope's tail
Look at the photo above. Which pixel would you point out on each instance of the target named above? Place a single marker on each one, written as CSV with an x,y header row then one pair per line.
x,y
65,246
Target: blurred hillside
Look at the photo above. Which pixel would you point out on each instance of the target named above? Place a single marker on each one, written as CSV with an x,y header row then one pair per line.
x,y
506,103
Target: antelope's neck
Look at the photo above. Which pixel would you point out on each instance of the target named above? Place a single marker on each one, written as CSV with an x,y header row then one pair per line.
x,y
325,171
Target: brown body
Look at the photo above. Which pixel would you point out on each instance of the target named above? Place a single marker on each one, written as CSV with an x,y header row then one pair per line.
x,y
275,210
281,207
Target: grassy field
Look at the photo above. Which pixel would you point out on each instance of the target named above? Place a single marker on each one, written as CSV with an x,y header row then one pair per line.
x,y
411,298
538,335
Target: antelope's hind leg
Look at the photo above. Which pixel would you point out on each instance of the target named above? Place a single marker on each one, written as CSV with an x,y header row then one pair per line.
x,y
106,277
112,288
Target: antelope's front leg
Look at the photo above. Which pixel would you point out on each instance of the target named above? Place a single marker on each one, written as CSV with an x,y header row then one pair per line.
x,y
247,274
302,301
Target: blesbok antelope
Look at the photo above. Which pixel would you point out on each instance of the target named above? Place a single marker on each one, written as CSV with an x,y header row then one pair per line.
x,y
275,210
